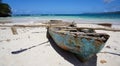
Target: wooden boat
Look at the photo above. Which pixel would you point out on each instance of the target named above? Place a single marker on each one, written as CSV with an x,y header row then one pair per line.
x,y
85,43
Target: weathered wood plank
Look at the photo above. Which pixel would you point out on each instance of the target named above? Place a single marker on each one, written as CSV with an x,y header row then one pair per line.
x,y
107,29
54,25
14,30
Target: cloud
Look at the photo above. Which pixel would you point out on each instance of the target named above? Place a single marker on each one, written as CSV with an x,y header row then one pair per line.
x,y
108,1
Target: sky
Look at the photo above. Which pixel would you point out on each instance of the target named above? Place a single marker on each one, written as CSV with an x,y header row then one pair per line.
x,y
62,6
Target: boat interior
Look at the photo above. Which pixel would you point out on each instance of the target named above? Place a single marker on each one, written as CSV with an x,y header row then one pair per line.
x,y
81,32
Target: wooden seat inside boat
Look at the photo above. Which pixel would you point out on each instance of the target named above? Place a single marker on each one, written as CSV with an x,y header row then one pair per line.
x,y
81,32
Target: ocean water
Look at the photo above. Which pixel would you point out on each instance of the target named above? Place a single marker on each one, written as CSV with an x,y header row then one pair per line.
x,y
78,18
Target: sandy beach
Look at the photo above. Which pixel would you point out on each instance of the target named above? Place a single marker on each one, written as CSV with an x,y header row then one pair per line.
x,y
46,53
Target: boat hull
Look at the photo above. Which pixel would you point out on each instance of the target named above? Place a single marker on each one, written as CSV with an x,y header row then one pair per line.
x,y
83,47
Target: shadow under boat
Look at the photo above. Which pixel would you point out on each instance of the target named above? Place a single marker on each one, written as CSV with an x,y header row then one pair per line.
x,y
70,57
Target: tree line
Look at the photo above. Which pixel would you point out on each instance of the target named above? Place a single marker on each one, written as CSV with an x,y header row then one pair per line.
x,y
5,9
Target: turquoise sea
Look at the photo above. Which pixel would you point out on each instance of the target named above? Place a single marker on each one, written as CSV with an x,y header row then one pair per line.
x,y
78,18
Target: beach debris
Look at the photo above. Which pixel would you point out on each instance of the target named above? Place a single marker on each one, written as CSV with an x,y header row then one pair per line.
x,y
103,61
110,53
108,47
16,52
115,49
8,40
59,63
35,32
2,28
0,40
32,25
57,23
73,24
105,24
29,37
3,48
14,30
22,50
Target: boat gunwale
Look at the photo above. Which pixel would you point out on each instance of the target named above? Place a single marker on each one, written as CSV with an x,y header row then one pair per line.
x,y
81,36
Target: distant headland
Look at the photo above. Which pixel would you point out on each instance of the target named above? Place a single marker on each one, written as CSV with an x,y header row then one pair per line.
x,y
5,10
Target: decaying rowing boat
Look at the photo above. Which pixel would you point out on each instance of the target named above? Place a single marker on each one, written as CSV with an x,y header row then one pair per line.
x,y
85,43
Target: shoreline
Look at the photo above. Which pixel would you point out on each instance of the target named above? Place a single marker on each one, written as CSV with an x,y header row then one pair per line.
x,y
66,19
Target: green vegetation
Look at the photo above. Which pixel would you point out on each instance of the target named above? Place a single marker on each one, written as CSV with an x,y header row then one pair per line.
x,y
0,1
5,10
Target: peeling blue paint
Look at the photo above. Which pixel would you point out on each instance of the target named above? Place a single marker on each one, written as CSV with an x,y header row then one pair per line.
x,y
83,47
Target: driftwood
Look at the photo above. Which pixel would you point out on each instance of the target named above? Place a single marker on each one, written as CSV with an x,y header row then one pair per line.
x,y
105,24
14,30
58,22
54,25
22,50
43,25
107,29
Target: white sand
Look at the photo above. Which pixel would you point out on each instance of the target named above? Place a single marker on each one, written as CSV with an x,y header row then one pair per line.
x,y
47,55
